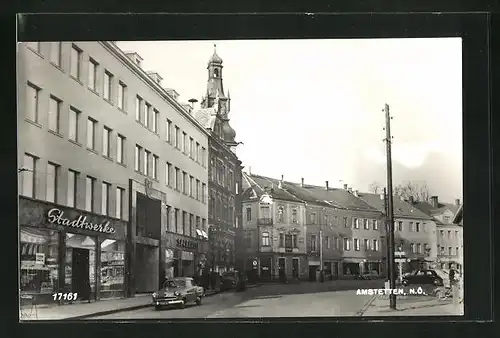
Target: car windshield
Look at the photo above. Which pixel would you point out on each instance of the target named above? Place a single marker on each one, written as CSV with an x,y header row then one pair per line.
x,y
174,283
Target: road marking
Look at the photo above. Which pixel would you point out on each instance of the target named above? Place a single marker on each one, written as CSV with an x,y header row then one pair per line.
x,y
366,306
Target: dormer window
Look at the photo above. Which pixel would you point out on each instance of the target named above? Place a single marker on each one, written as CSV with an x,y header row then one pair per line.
x,y
216,72
138,62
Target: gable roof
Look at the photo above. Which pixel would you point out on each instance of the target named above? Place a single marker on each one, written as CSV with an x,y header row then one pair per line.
x,y
401,208
429,209
206,117
459,216
262,185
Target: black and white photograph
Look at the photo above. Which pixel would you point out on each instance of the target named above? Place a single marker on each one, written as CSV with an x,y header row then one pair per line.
x,y
213,179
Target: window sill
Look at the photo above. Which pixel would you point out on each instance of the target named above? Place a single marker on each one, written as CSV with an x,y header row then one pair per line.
x,y
108,158
53,132
57,66
75,142
92,151
77,80
36,124
94,91
122,110
122,164
108,101
38,53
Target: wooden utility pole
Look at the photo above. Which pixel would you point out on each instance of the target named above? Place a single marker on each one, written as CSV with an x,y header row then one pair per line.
x,y
390,207
387,230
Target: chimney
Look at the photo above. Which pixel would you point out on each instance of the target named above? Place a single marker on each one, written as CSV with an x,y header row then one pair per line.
x,y
434,201
345,186
349,189
249,170
356,193
411,200
457,202
280,183
155,76
326,185
302,182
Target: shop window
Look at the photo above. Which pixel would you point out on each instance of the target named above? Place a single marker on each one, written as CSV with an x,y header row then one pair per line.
x,y
265,239
80,266
112,268
39,262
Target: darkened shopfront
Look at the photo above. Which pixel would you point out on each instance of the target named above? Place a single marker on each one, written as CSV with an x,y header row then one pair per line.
x,y
68,250
185,256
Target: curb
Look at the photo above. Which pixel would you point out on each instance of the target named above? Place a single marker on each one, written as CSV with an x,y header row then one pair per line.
x,y
125,309
365,307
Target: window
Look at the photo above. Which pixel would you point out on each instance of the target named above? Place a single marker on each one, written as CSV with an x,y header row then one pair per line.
x,y
191,225
426,247
265,239
203,156
191,186
191,147
282,240
106,133
105,198
456,234
120,144
417,227
288,241
184,222
76,55
424,227
441,234
203,189
375,245
154,169
121,95
456,250
89,193
412,248
449,234
294,216
313,242
54,110
249,214
248,239
412,227
91,133
137,164
356,244
375,224
138,105
34,46
204,224
108,81
32,102
169,131
312,218
327,242
294,240
185,143
449,251
446,219
72,188
93,74
347,244
168,174
365,224
198,190
177,137
366,244
119,202
74,117
154,121
197,152
52,180
400,226
281,211
176,220
185,182
147,114
355,222
55,53
346,223
147,156
419,248
177,180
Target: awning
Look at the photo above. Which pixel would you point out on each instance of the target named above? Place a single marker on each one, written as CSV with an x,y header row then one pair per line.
x,y
204,234
198,232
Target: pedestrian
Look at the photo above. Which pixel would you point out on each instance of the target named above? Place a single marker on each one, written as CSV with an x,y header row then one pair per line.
x,y
454,288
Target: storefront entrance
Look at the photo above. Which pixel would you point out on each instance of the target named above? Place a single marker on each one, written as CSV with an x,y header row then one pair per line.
x,y
295,268
80,278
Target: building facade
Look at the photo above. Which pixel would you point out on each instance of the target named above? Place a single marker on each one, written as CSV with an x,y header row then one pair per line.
x,y
449,234
224,170
102,162
273,229
414,232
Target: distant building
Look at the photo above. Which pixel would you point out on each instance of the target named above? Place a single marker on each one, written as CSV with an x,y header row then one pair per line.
x,y
414,231
224,170
449,235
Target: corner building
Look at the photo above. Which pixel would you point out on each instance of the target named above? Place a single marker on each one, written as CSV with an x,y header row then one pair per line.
x,y
112,197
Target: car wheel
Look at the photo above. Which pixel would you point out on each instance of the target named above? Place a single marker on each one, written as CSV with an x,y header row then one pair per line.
x,y
157,307
183,304
198,300
441,295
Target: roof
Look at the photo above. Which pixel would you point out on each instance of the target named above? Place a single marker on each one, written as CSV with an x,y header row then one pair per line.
x,y
262,185
459,216
429,209
206,117
401,208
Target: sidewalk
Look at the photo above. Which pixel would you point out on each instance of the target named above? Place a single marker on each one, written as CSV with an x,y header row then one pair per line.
x,y
411,306
88,310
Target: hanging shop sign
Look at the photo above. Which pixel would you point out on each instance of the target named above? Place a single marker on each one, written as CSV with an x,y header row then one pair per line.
x,y
184,243
56,216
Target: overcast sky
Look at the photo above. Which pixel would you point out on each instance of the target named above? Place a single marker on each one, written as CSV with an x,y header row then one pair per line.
x,y
313,108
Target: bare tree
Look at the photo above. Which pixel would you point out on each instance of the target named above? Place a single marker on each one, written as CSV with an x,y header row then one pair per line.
x,y
375,187
419,191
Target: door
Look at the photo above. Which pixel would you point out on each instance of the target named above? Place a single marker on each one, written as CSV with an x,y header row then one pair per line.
x,y
282,266
191,291
295,268
312,273
80,279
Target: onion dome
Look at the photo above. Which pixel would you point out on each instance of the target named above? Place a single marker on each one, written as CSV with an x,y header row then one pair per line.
x,y
229,133
215,58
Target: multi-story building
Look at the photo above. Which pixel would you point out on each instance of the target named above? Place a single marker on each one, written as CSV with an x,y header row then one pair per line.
x,y
449,234
351,231
414,231
273,230
458,219
112,199
224,181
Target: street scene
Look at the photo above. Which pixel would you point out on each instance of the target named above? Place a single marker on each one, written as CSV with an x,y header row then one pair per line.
x,y
240,179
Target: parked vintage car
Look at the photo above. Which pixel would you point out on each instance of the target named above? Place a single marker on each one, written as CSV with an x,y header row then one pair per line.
x,y
178,292
423,277
370,275
229,280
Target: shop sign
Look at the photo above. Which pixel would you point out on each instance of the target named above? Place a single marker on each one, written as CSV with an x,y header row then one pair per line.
x,y
254,263
40,258
184,243
56,216
187,256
